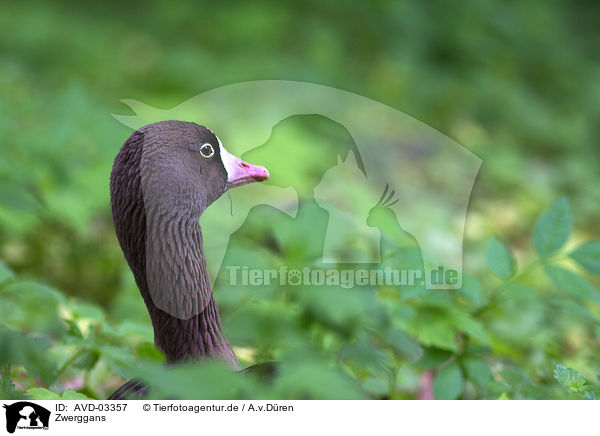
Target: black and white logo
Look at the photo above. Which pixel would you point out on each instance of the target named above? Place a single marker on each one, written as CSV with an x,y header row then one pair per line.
x,y
26,415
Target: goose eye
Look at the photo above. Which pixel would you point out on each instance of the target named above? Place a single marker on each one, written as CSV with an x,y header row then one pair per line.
x,y
207,150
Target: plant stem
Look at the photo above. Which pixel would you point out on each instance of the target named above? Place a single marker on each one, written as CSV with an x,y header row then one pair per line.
x,y
393,373
526,270
69,361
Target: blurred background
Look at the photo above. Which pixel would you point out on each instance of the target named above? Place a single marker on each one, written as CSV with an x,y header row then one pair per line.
x,y
517,83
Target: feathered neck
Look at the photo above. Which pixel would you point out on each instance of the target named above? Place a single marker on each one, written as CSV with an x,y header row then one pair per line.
x,y
169,266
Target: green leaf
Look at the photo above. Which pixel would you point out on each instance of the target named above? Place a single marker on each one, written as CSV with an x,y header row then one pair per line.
x,y
87,361
313,379
468,325
571,283
74,330
206,380
500,259
45,394
588,256
433,357
433,327
18,349
364,354
576,383
17,198
132,328
403,343
8,390
570,379
5,273
477,369
376,386
471,289
73,395
148,351
119,359
85,310
42,394
553,228
448,383
32,307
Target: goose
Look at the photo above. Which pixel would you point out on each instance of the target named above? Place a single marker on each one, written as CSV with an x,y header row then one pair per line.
x,y
163,178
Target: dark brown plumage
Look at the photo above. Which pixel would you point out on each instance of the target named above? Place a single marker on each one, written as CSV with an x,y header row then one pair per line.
x,y
162,180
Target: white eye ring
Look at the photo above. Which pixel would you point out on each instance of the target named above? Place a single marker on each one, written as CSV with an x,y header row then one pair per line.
x,y
207,150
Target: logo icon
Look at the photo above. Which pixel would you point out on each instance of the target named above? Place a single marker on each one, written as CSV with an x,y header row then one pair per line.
x,y
26,415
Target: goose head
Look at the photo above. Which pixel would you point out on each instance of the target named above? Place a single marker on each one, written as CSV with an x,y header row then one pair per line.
x,y
185,167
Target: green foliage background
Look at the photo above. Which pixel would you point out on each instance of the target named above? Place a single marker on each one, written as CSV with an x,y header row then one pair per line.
x,y
517,83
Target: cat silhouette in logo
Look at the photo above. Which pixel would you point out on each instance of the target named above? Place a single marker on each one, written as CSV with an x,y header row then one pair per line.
x,y
30,412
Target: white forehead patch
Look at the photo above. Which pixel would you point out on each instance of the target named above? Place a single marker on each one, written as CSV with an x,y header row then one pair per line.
x,y
229,160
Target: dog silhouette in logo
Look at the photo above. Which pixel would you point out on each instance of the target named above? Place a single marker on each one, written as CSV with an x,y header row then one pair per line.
x,y
30,413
